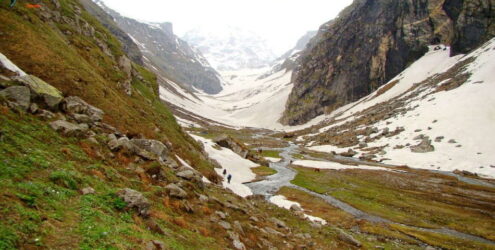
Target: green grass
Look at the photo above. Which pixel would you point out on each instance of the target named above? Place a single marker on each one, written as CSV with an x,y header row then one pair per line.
x,y
264,171
372,193
271,153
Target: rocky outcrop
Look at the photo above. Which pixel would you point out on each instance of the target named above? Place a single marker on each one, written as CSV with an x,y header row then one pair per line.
x,y
373,41
128,45
69,129
135,200
171,55
19,96
40,89
75,105
237,147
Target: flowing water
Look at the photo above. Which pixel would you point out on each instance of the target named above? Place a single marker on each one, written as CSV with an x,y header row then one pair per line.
x,y
269,187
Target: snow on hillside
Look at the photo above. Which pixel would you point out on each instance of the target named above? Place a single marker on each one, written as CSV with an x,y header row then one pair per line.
x,y
238,167
244,102
459,122
230,48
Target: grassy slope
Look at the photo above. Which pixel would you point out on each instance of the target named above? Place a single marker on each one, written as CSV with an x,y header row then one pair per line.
x,y
77,66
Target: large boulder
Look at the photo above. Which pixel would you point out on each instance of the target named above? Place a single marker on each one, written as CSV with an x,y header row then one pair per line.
x,y
50,95
75,105
70,129
135,200
150,149
226,141
19,95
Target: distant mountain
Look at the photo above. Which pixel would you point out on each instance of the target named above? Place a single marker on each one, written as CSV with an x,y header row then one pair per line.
x,y
162,49
231,48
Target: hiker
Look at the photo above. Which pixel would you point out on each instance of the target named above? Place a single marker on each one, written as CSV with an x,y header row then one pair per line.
x,y
12,3
229,178
224,171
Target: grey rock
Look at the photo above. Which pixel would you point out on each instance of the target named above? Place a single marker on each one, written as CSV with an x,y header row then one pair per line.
x,y
135,200
296,207
186,174
20,95
75,105
81,118
439,138
238,227
45,114
423,147
49,94
348,238
452,141
150,149
88,190
238,245
220,214
225,225
272,231
69,129
121,143
175,191
279,223
203,198
33,108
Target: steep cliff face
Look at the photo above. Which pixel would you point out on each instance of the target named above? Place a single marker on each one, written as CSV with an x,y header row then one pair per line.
x,y
372,41
165,51
128,45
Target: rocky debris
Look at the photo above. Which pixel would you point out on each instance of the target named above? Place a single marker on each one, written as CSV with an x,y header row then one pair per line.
x,y
423,147
229,142
272,231
220,214
45,115
175,191
279,223
225,225
439,138
155,245
121,143
187,175
75,105
149,149
69,129
452,141
88,190
349,153
50,95
19,95
135,200
348,238
296,208
203,198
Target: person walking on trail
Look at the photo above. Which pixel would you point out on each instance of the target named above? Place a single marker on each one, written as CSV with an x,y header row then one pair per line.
x,y
229,177
224,171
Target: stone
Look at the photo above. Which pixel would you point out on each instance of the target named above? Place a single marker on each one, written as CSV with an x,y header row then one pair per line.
x,y
50,95
45,114
187,174
348,239
155,245
423,147
238,245
33,108
225,225
175,191
135,200
226,141
75,105
279,223
69,129
203,198
150,149
296,207
272,231
238,227
88,190
439,138
220,214
349,153
121,143
20,95
452,141
80,118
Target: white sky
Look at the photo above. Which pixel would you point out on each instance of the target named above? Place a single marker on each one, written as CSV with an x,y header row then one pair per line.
x,y
280,22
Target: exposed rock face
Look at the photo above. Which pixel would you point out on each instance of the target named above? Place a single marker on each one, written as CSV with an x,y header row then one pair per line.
x,y
228,142
128,45
69,129
150,149
170,54
374,40
75,105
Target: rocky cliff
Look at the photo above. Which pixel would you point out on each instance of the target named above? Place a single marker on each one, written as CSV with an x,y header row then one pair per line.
x,y
165,51
372,41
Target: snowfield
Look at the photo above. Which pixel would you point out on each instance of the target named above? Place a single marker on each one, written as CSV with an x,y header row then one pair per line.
x,y
463,117
238,167
281,201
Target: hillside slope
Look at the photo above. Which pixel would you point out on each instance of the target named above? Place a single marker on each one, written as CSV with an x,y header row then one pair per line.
x,y
373,41
168,53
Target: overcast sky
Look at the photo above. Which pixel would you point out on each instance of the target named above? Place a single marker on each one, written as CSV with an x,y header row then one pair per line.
x,y
280,22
